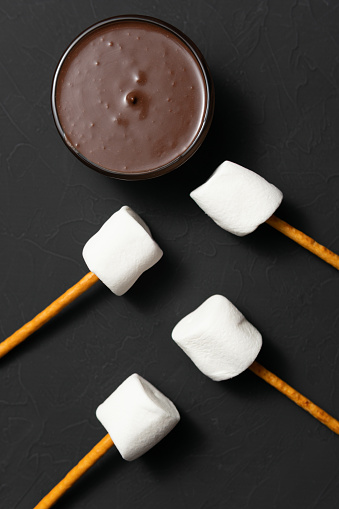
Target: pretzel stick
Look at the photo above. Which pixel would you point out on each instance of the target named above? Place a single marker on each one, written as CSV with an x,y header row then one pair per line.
x,y
73,475
304,241
295,396
53,309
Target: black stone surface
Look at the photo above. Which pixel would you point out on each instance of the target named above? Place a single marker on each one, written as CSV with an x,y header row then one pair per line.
x,y
240,443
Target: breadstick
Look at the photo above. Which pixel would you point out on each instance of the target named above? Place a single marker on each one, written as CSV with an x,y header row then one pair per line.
x,y
73,475
117,254
295,396
239,200
222,344
52,310
304,240
137,415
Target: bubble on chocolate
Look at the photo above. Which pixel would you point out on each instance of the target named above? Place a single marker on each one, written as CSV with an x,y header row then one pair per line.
x,y
142,78
131,98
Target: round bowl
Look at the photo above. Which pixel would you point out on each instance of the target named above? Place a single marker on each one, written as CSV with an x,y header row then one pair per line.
x,y
132,97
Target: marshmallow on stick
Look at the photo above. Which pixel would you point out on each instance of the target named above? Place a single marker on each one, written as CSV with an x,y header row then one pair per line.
x,y
136,416
222,344
239,201
117,254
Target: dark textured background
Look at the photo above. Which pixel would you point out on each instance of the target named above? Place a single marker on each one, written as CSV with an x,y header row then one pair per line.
x,y
240,443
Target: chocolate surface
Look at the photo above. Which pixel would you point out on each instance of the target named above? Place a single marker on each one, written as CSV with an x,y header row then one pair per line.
x,y
130,96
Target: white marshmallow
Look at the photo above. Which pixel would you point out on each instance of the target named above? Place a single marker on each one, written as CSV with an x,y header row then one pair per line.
x,y
218,338
137,416
121,251
237,199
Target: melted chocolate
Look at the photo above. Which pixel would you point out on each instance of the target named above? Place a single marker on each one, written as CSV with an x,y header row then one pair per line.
x,y
130,96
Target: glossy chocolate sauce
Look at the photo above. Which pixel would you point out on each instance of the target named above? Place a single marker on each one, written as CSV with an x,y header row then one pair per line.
x,y
130,96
